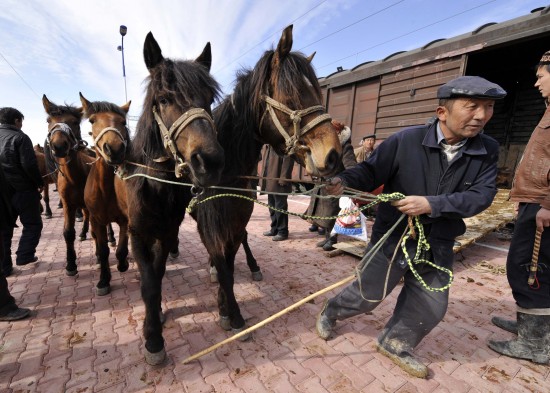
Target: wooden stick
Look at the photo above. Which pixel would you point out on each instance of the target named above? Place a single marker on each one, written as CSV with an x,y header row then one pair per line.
x,y
535,259
269,319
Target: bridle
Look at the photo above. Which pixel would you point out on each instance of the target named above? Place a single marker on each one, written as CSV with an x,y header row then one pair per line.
x,y
170,136
65,129
296,116
102,133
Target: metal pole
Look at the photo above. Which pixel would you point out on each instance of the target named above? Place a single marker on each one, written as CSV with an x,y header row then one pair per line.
x,y
124,70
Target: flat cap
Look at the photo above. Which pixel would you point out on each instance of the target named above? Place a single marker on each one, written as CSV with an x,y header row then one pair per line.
x,y
368,136
471,86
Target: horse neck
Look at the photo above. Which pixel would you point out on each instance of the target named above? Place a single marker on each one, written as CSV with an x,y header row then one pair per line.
x,y
75,170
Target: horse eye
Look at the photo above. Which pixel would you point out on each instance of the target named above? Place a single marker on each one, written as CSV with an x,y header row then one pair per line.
x,y
91,121
163,101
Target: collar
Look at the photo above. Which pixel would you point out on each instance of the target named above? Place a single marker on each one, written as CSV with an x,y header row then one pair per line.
x,y
473,146
441,138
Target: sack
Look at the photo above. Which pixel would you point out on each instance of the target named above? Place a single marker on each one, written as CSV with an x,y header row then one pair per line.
x,y
353,223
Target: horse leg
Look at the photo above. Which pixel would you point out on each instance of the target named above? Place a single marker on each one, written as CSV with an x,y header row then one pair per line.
x,y
251,261
175,252
142,250
122,248
111,235
69,234
79,215
102,253
48,213
85,224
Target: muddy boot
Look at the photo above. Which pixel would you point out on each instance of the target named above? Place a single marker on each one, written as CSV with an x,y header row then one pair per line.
x,y
400,353
324,325
332,240
533,342
507,324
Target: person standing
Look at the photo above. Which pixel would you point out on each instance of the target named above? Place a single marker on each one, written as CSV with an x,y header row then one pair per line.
x,y
447,171
276,169
9,311
365,150
24,186
531,189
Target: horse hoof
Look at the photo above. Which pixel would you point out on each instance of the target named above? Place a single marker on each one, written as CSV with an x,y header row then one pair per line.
x,y
71,273
82,238
112,244
154,359
244,337
48,216
174,255
213,275
103,291
225,323
257,276
122,266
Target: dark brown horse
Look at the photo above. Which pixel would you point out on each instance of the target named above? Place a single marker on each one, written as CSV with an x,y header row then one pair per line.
x,y
49,177
65,149
279,103
175,141
111,141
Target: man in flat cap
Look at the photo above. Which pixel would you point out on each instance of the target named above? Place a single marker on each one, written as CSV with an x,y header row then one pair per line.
x,y
531,189
446,169
365,150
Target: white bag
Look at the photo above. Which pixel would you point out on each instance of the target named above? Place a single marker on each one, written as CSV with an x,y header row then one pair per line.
x,y
353,224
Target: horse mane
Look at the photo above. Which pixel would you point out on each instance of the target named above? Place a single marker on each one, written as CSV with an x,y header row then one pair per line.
x,y
103,106
179,80
238,116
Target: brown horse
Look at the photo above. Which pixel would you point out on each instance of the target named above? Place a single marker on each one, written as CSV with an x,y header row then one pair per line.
x,y
278,102
49,177
174,141
111,141
66,150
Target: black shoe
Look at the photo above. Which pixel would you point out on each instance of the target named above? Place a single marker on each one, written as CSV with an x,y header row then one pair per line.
x,y
403,359
32,260
324,324
328,246
271,232
14,315
279,237
313,228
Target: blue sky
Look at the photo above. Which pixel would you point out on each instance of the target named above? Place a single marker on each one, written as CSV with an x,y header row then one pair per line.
x,y
61,47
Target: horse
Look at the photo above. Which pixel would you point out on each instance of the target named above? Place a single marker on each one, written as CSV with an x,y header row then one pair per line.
x,y
174,141
259,112
111,141
49,177
65,149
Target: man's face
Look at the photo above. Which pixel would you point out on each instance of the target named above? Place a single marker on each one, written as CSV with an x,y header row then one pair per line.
x,y
543,81
465,118
368,143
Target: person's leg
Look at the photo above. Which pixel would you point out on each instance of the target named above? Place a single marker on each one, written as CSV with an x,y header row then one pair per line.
x,y
28,206
5,254
281,219
272,215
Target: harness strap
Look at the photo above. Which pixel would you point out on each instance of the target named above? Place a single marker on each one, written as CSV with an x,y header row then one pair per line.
x,y
101,134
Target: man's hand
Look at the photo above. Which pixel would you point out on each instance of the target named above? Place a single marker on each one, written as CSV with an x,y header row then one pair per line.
x,y
543,219
413,205
335,186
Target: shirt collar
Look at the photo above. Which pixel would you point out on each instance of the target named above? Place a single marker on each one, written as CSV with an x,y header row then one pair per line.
x,y
441,138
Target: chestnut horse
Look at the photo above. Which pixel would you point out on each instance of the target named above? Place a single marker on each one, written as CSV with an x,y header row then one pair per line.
x,y
66,149
111,141
49,177
175,140
279,103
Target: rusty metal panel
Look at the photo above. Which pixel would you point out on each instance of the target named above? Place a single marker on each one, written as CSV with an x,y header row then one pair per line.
x,y
340,103
365,107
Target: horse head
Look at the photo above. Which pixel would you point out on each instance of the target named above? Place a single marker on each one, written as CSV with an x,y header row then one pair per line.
x,y
64,135
177,105
109,131
294,121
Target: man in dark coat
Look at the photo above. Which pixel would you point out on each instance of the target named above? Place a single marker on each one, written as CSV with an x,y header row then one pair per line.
x,y
24,186
446,170
276,169
9,311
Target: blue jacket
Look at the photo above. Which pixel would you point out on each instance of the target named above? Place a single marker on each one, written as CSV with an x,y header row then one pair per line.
x,y
409,162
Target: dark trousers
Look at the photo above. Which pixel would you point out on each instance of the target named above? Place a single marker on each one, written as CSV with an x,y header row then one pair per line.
x,y
26,205
279,221
417,311
7,302
519,260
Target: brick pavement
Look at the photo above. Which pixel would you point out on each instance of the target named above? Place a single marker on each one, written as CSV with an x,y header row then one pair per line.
x,y
76,341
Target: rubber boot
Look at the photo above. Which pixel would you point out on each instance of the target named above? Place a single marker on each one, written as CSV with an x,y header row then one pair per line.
x,y
322,242
507,324
332,240
533,342
401,354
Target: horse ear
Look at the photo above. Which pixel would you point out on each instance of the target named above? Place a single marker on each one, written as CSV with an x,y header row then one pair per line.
x,y
310,57
126,107
85,102
205,57
151,52
285,44
46,103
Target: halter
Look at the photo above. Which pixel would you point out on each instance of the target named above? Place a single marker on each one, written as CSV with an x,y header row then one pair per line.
x,y
291,142
170,136
65,129
101,134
